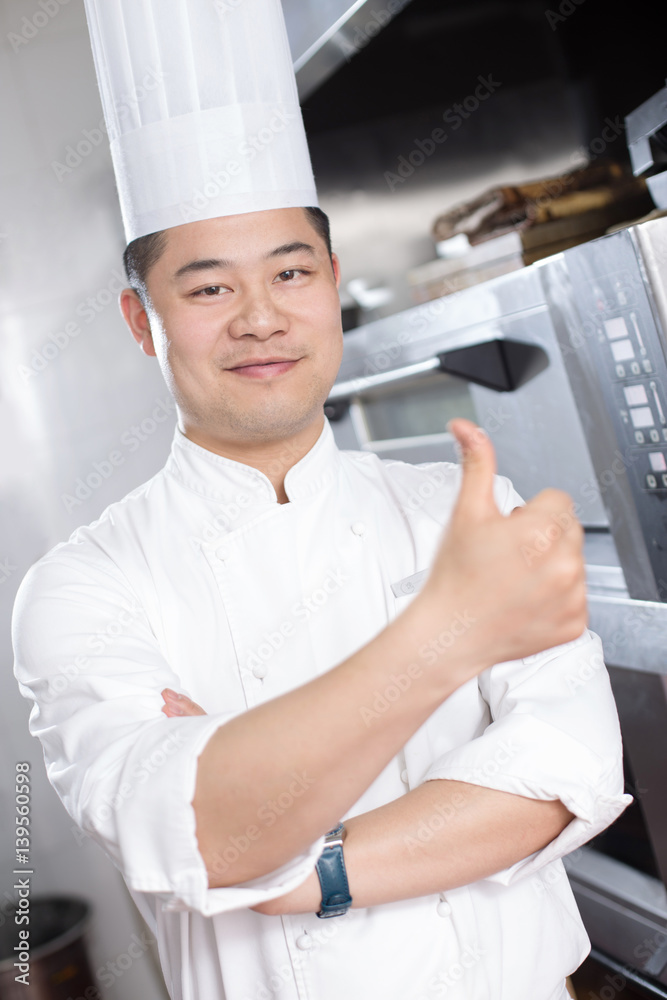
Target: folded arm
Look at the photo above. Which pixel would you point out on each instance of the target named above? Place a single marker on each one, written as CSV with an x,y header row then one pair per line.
x,y
441,835
193,787
542,779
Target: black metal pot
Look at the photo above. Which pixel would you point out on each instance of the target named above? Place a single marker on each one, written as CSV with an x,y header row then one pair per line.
x,y
59,968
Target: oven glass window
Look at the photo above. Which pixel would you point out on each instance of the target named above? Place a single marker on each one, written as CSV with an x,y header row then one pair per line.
x,y
422,406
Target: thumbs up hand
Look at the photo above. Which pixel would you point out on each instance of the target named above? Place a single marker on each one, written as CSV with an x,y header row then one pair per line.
x,y
517,581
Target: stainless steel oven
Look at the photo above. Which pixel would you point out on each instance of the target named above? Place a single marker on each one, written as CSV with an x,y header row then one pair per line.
x,y
565,365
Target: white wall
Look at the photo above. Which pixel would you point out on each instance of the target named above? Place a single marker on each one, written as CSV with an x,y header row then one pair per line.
x,y
64,405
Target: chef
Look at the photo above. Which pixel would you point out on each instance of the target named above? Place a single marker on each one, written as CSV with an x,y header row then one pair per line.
x,y
320,770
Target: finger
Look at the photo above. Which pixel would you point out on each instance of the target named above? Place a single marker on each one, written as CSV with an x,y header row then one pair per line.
x,y
180,704
476,500
172,711
558,510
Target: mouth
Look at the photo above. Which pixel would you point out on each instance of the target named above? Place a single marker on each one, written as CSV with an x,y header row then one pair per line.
x,y
264,368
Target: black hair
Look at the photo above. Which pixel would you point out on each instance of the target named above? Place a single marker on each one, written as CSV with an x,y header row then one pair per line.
x,y
141,254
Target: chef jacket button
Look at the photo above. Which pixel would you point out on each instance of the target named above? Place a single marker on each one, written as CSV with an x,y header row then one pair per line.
x,y
444,909
304,942
259,671
358,527
404,775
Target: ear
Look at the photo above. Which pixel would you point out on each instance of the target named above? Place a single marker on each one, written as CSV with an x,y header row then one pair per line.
x,y
136,318
335,263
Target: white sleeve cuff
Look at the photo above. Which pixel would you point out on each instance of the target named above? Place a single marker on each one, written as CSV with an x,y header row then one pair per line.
x,y
530,757
158,850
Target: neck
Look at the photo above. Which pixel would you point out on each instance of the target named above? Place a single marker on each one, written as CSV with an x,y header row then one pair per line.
x,y
273,458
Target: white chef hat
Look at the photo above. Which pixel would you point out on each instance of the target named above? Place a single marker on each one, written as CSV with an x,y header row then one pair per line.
x,y
201,106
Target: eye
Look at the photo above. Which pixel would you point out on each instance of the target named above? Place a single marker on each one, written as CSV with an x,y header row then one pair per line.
x,y
209,292
290,274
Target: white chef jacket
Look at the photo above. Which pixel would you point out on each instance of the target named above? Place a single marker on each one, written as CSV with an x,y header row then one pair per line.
x,y
201,581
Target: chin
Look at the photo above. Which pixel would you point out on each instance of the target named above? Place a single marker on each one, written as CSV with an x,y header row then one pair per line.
x,y
268,424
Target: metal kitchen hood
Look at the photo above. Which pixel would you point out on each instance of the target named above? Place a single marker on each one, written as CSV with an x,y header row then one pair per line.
x,y
324,34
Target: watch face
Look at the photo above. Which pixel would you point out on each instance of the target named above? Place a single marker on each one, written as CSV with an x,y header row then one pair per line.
x,y
336,836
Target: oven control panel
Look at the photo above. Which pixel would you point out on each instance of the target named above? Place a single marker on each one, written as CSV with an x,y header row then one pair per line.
x,y
619,347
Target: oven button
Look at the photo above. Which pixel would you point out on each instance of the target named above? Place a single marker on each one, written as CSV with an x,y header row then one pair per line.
x,y
653,434
664,478
620,371
639,437
651,481
648,367
634,368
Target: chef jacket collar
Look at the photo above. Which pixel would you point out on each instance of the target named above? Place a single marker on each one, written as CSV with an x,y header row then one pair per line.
x,y
223,479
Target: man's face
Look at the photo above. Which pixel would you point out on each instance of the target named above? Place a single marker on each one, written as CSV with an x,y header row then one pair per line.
x,y
245,322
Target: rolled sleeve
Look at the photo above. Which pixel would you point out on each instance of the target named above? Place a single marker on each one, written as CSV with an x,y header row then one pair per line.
x,y
554,735
85,655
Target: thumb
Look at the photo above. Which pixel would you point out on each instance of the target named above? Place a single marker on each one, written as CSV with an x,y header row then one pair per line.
x,y
475,499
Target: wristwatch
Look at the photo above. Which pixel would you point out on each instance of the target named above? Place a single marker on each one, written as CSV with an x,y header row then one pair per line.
x,y
336,899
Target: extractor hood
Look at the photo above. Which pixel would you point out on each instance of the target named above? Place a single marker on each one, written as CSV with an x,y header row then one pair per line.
x,y
325,34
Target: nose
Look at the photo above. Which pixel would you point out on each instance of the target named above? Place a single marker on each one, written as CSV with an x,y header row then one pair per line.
x,y
257,315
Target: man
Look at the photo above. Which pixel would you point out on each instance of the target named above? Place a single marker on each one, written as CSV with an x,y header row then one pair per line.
x,y
254,575
242,315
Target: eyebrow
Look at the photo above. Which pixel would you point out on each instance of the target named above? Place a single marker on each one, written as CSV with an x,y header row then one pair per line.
x,y
210,263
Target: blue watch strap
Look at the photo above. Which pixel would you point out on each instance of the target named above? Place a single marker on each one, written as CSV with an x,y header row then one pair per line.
x,y
336,899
